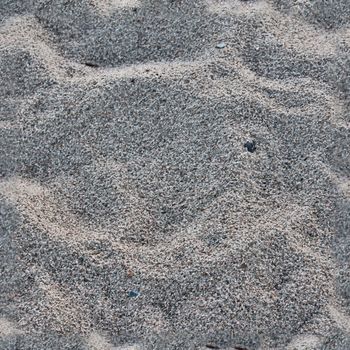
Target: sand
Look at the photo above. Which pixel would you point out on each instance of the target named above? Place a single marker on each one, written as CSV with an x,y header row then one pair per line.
x,y
174,174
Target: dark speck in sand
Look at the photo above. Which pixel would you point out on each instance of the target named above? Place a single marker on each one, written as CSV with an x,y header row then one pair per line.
x,y
92,65
133,293
250,146
212,346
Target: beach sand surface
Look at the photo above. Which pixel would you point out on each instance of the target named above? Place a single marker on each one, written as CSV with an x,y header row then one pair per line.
x,y
174,174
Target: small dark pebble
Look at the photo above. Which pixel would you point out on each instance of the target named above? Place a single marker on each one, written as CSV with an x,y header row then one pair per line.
x,y
93,65
212,346
240,348
244,266
250,146
133,294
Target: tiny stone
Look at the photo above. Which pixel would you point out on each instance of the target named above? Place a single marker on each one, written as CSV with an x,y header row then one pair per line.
x,y
91,64
133,293
250,146
244,266
221,45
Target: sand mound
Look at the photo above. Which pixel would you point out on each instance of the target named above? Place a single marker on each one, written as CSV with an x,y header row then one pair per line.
x,y
135,214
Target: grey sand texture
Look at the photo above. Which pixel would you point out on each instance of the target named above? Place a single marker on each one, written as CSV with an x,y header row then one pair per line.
x,y
174,174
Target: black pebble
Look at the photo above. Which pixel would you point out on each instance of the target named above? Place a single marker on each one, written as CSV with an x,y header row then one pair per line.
x,y
92,65
212,346
250,146
133,294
